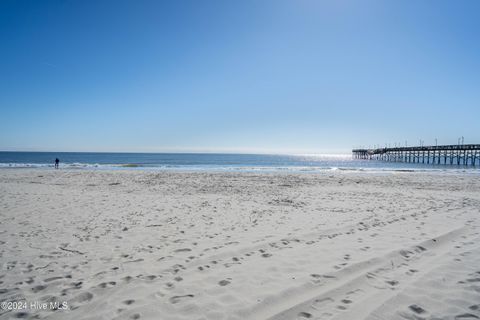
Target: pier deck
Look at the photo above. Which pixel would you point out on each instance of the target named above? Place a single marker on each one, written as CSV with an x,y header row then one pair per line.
x,y
465,154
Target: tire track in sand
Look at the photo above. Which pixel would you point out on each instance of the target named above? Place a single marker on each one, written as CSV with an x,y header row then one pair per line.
x,y
375,279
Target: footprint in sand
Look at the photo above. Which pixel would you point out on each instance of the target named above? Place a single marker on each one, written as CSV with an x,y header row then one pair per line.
x,y
304,315
417,309
466,316
169,285
340,266
411,271
470,280
177,299
374,281
104,285
83,297
223,283
11,264
38,288
21,315
321,303
52,279
316,278
392,283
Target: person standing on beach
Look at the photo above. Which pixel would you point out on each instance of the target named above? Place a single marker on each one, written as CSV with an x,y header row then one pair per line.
x,y
57,161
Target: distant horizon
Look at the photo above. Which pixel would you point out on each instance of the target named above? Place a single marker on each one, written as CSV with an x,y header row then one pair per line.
x,y
194,152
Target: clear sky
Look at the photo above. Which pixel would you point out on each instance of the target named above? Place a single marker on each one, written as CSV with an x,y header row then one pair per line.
x,y
238,76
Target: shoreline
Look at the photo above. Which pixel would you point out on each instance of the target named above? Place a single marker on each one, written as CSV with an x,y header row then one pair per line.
x,y
441,169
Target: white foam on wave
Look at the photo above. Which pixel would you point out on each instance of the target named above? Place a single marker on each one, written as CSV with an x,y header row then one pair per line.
x,y
240,168
25,165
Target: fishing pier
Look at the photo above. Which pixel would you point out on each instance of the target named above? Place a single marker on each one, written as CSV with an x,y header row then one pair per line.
x,y
464,154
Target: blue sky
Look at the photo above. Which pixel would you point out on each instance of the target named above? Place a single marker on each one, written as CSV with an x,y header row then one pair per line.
x,y
237,76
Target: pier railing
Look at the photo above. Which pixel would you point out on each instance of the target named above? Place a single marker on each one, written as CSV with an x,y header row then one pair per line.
x,y
465,154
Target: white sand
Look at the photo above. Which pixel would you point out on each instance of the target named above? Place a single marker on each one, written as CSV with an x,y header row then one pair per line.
x,y
149,245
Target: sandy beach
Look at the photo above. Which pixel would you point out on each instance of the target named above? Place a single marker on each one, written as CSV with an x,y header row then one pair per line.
x,y
133,244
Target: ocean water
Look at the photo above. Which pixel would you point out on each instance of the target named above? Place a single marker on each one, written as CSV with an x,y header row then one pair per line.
x,y
210,162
